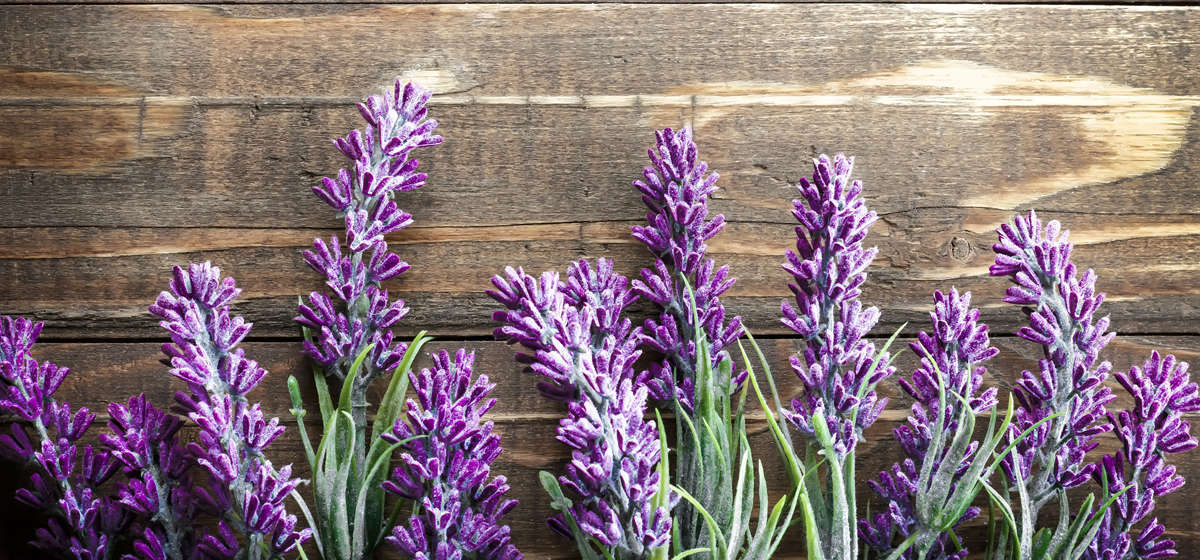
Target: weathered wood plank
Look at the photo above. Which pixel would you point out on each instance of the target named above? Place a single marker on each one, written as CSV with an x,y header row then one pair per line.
x,y
109,371
498,196
951,139
554,50
102,285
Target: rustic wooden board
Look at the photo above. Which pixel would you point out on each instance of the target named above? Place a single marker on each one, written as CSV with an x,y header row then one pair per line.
x,y
562,50
527,421
954,130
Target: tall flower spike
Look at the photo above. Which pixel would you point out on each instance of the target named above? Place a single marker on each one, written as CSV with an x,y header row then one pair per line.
x,y
1154,427
950,372
363,194
445,467
1061,307
676,190
67,478
234,432
586,353
829,266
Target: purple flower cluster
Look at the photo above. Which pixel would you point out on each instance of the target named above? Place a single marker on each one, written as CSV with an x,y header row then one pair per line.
x,y
363,315
1061,307
84,521
1162,392
159,485
838,368
951,367
586,351
676,189
204,354
445,467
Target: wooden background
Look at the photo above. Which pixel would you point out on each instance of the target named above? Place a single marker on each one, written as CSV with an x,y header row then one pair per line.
x,y
137,137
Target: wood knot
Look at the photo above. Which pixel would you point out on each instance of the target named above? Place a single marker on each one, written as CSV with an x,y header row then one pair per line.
x,y
961,249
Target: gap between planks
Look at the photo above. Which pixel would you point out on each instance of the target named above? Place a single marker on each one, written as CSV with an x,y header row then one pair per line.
x,y
981,100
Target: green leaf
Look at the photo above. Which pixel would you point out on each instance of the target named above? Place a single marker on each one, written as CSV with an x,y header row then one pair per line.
x,y
391,406
348,385
714,530
559,502
691,552
323,400
782,440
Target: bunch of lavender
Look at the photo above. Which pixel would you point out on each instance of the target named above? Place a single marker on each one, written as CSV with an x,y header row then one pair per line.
x,y
445,467
1066,395
585,350
931,491
1162,392
234,433
349,333
66,483
838,368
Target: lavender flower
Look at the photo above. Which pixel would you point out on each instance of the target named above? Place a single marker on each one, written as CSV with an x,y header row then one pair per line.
x,y
676,190
84,522
351,322
839,369
950,373
586,354
159,484
362,314
1061,308
234,432
1162,392
445,467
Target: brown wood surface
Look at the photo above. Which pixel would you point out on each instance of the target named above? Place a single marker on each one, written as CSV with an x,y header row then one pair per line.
x,y
134,138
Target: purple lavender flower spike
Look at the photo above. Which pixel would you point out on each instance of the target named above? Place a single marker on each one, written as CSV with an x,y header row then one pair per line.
x,y
234,432
360,313
1061,307
830,266
951,357
676,190
586,353
84,522
447,451
159,484
1154,427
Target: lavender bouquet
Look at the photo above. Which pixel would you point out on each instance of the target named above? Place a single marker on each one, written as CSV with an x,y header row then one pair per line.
x,y
165,490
